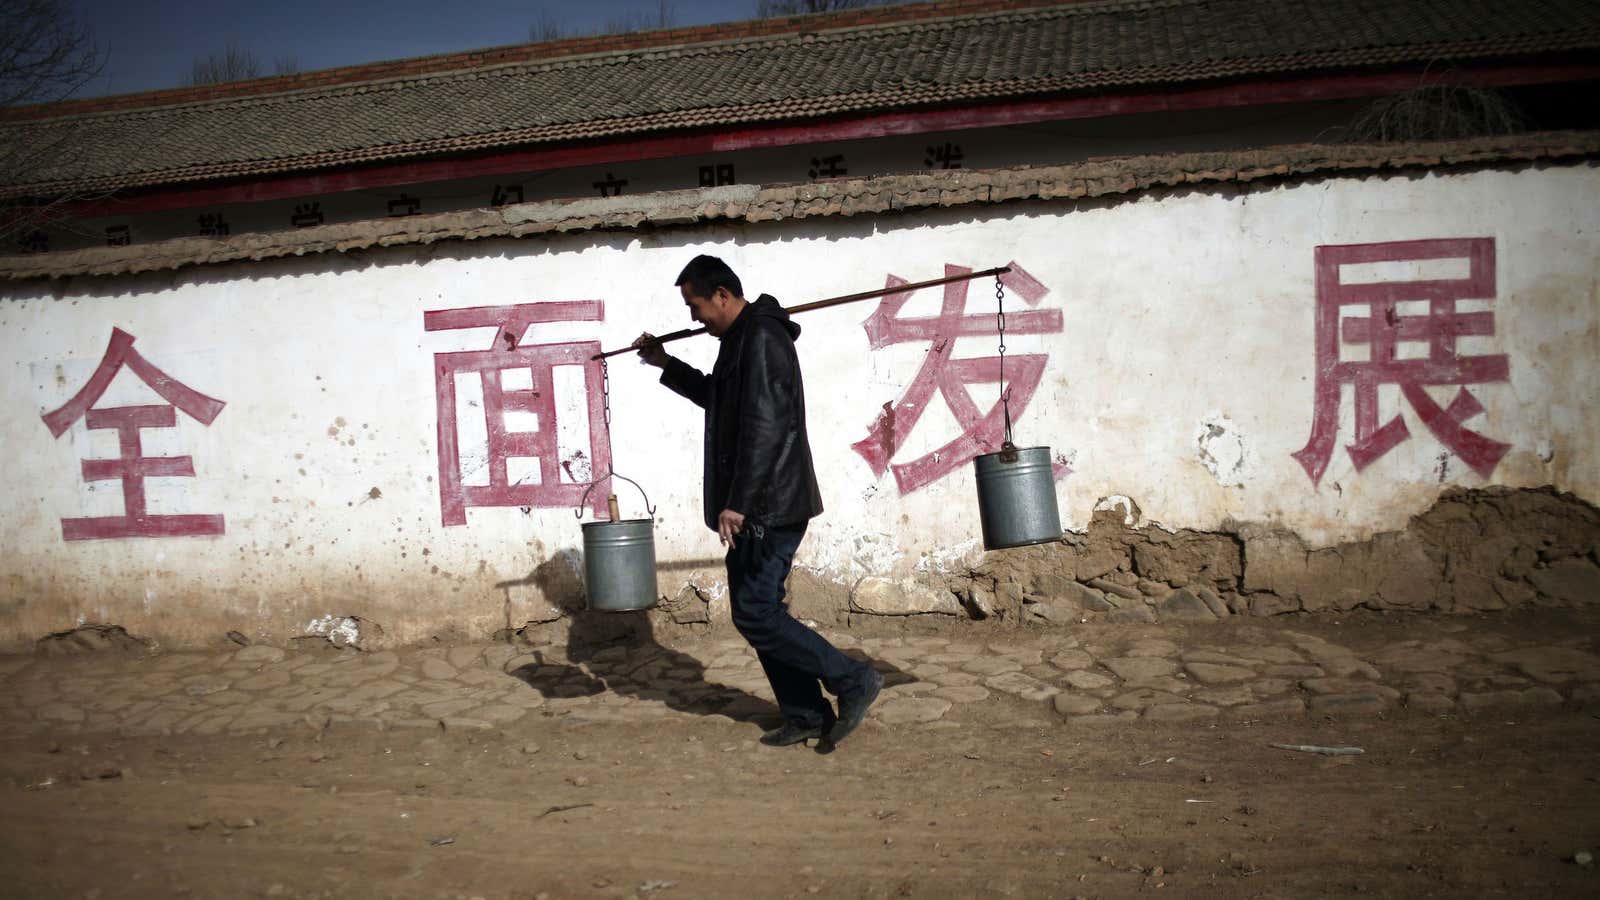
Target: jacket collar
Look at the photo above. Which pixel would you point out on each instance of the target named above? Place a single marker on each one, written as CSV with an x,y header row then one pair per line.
x,y
739,321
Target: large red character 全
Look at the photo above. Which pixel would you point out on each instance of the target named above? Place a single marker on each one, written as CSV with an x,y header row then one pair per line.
x,y
509,353
1380,329
133,467
981,432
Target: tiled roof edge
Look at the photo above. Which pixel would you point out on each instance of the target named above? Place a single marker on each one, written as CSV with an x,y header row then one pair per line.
x,y
544,51
1119,177
766,112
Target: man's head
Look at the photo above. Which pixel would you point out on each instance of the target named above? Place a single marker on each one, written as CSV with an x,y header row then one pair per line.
x,y
712,292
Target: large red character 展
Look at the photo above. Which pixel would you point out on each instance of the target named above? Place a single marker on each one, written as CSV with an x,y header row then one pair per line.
x,y
509,353
1380,328
133,467
981,432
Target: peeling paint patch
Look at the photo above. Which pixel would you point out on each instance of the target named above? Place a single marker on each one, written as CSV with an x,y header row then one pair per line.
x,y
577,468
342,630
854,551
1222,449
712,588
1131,515
965,554
1063,463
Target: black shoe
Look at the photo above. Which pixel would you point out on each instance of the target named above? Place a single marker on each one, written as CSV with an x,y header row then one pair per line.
x,y
791,733
853,706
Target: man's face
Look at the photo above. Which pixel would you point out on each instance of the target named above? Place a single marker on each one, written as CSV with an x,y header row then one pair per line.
x,y
715,312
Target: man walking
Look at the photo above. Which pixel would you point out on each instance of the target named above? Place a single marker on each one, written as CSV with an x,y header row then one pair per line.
x,y
760,491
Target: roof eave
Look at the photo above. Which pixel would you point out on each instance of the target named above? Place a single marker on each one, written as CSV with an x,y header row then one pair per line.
x,y
766,125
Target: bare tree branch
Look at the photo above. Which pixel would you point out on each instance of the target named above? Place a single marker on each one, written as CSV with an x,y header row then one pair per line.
x,y
547,28
45,53
234,63
766,9
639,20
550,28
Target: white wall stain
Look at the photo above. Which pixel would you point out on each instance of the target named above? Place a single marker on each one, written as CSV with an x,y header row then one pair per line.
x,y
338,629
963,554
1222,449
874,551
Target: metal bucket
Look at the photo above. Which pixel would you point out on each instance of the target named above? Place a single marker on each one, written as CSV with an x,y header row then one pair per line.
x,y
1017,498
619,565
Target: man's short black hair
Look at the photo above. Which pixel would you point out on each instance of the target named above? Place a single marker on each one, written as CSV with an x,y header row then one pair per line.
x,y
704,274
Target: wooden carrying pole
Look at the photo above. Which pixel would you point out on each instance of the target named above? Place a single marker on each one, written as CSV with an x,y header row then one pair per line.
x,y
824,304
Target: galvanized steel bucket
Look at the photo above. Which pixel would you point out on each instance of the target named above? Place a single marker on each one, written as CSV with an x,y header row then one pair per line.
x,y
1017,497
619,558
619,565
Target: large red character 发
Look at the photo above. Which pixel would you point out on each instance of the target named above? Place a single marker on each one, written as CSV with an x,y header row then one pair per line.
x,y
981,432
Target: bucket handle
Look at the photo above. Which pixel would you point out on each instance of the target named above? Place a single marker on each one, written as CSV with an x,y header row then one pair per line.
x,y
582,501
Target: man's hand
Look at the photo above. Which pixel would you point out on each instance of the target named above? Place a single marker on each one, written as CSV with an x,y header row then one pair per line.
x,y
729,523
650,352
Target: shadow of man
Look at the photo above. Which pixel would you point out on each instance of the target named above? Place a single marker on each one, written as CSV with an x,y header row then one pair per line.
x,y
618,652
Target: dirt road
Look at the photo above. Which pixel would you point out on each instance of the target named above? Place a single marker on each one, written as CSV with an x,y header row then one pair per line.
x,y
1009,799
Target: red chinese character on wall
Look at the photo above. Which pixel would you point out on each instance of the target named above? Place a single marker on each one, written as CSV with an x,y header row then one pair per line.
x,y
1379,328
507,353
133,467
981,432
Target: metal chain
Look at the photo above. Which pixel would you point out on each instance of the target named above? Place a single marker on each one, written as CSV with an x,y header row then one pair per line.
x,y
605,418
605,396
1000,321
605,409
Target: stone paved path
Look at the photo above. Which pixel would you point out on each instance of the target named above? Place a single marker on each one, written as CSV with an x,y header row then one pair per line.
x,y
1096,676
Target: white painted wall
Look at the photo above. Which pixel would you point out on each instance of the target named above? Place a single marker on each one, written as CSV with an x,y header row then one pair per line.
x,y
1188,319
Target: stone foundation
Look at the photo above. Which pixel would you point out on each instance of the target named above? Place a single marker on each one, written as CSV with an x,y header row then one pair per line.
x,y
1487,549
1474,550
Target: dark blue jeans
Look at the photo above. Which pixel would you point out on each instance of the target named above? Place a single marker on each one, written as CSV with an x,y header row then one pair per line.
x,y
794,657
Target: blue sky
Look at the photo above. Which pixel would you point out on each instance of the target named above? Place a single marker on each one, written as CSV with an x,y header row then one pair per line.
x,y
152,45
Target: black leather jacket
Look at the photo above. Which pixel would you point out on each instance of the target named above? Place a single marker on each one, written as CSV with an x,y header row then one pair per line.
x,y
757,457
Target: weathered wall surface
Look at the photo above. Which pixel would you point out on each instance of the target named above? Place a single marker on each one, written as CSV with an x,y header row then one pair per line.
x,y
1474,550
1168,348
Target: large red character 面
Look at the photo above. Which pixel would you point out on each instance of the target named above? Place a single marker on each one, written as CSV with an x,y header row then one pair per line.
x,y
508,353
132,466
981,432
1380,328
